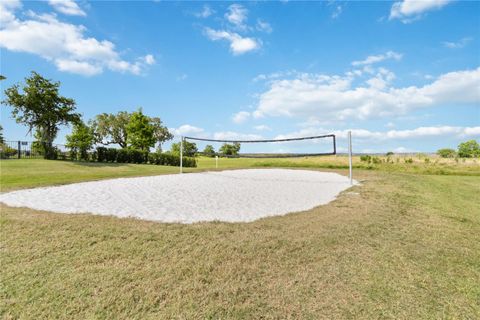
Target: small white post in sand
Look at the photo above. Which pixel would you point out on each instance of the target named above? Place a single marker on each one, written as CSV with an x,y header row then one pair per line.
x,y
350,156
181,154
216,162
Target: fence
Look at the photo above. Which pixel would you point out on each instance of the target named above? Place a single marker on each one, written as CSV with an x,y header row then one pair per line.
x,y
27,150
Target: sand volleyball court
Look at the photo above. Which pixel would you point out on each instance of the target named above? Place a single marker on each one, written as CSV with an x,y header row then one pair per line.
x,y
231,196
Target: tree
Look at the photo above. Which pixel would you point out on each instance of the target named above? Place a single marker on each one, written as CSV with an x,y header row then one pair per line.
x,y
469,149
2,140
189,148
209,151
160,132
140,133
81,140
230,149
111,128
2,77
446,153
39,106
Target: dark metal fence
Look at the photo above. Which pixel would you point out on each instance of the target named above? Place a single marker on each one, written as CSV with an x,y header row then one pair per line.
x,y
27,150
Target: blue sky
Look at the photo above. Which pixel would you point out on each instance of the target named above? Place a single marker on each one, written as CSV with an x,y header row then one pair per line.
x,y
403,76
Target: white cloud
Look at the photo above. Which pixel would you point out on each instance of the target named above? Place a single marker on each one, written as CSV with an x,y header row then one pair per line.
x,y
238,44
68,7
410,10
78,67
230,135
378,58
149,59
262,127
459,44
317,96
363,134
62,43
186,129
205,13
237,15
336,13
241,116
403,150
264,26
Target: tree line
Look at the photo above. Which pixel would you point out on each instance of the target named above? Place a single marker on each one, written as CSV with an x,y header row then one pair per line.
x,y
38,104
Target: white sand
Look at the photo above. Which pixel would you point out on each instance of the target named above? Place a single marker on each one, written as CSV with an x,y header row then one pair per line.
x,y
233,196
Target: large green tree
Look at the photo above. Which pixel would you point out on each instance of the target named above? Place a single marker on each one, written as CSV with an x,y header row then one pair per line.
x,y
80,141
230,149
38,104
140,131
209,151
111,128
189,148
469,149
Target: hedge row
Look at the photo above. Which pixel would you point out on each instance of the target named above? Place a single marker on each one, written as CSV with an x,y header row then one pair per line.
x,y
103,154
168,159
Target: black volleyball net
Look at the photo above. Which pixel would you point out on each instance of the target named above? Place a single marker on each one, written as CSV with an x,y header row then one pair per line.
x,y
322,145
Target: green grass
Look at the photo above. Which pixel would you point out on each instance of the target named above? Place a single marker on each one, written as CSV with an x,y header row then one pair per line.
x,y
401,246
29,173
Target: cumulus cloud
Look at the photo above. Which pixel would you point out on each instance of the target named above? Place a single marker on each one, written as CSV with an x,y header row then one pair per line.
x,y
186,129
410,10
264,26
262,127
238,44
459,44
205,13
231,135
317,96
362,134
378,58
68,7
237,15
64,44
241,116
149,59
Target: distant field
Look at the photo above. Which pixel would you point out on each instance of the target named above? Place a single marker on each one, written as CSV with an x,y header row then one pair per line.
x,y
403,245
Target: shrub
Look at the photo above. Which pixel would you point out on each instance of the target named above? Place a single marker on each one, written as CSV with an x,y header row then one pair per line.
x,y
170,159
6,151
389,153
101,154
409,160
122,156
366,158
111,155
469,149
446,153
376,160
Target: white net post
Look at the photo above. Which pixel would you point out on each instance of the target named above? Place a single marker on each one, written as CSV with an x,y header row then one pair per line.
x,y
216,162
350,156
181,154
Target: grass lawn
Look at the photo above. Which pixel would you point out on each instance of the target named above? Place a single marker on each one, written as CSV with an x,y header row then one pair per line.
x,y
404,245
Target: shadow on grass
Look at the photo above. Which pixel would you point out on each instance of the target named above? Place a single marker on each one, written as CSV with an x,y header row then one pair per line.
x,y
97,164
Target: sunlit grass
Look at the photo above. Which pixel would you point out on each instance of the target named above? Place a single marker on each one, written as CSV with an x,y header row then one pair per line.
x,y
401,245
